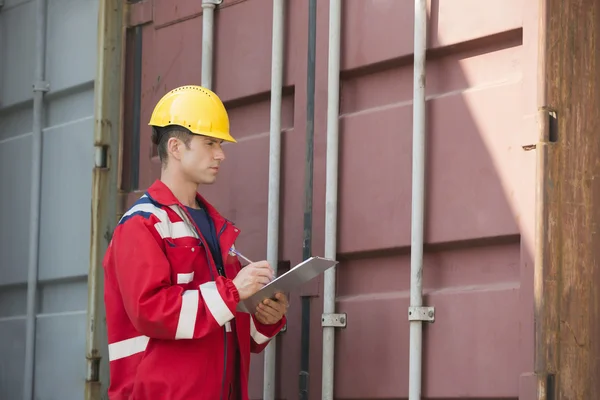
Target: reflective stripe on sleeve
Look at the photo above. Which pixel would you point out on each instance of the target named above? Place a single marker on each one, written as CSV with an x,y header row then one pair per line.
x,y
215,303
258,337
187,315
127,347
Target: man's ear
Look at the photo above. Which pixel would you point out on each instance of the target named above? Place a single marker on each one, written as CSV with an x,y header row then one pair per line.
x,y
174,148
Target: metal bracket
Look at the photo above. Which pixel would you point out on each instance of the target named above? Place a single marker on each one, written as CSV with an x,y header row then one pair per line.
x,y
421,314
211,2
334,320
101,156
41,86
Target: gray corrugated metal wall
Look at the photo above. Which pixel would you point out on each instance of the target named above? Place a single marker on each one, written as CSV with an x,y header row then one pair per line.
x,y
66,194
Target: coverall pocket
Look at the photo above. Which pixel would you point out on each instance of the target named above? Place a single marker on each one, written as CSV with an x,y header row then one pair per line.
x,y
184,262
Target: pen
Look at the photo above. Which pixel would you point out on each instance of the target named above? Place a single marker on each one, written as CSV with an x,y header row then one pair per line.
x,y
242,256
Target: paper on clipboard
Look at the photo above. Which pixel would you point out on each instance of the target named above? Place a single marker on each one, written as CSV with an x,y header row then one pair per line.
x,y
291,280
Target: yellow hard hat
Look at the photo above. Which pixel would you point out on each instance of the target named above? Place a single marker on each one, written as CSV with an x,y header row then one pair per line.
x,y
195,108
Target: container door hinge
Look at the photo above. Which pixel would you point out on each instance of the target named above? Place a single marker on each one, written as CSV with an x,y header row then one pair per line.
x,y
93,370
334,320
426,314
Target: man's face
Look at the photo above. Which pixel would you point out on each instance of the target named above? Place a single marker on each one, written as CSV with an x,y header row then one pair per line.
x,y
201,161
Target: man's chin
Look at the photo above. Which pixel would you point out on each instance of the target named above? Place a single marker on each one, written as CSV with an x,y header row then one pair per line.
x,y
208,181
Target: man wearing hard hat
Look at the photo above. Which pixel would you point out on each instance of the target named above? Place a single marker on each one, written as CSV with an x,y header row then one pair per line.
x,y
172,277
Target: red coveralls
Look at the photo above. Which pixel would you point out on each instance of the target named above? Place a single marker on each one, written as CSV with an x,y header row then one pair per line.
x,y
168,312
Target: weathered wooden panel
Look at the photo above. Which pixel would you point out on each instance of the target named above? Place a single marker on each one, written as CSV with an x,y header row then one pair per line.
x,y
568,303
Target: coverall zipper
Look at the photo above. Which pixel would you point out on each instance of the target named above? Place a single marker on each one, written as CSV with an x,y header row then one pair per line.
x,y
206,250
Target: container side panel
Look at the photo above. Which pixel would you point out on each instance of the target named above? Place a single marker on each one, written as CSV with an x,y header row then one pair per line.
x,y
71,58
247,49
450,23
64,247
67,162
16,66
475,202
15,121
61,339
12,348
15,169
463,285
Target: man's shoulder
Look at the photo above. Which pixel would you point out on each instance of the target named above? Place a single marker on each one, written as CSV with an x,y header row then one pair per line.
x,y
145,209
163,221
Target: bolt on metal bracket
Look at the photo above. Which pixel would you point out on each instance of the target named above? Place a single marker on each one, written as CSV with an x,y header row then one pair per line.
x,y
421,314
334,320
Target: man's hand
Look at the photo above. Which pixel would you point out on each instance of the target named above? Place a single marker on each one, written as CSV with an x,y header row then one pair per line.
x,y
270,312
252,278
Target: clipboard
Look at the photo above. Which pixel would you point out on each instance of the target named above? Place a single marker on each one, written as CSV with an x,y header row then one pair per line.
x,y
291,280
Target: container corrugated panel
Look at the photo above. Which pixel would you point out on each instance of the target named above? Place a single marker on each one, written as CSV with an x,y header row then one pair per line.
x,y
60,365
481,90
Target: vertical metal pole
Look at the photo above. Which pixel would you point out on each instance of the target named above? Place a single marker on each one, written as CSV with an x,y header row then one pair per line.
x,y
277,62
39,89
208,18
331,191
137,106
418,197
308,192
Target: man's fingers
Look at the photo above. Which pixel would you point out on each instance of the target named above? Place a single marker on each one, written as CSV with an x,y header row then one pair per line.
x,y
282,298
264,317
262,265
277,307
263,280
268,311
263,271
267,273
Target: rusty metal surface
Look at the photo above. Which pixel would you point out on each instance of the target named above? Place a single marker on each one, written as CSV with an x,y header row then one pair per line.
x,y
107,130
479,211
569,303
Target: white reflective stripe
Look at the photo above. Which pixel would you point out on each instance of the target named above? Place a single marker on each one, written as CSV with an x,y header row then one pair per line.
x,y
147,207
127,347
185,278
228,327
173,230
187,315
181,229
165,228
258,337
189,227
215,303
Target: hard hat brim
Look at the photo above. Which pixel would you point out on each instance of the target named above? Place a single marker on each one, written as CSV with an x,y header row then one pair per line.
x,y
216,135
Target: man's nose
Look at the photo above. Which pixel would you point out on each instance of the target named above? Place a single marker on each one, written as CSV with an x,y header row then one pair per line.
x,y
220,155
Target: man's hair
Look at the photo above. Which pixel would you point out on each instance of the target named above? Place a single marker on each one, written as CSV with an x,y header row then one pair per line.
x,y
161,135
